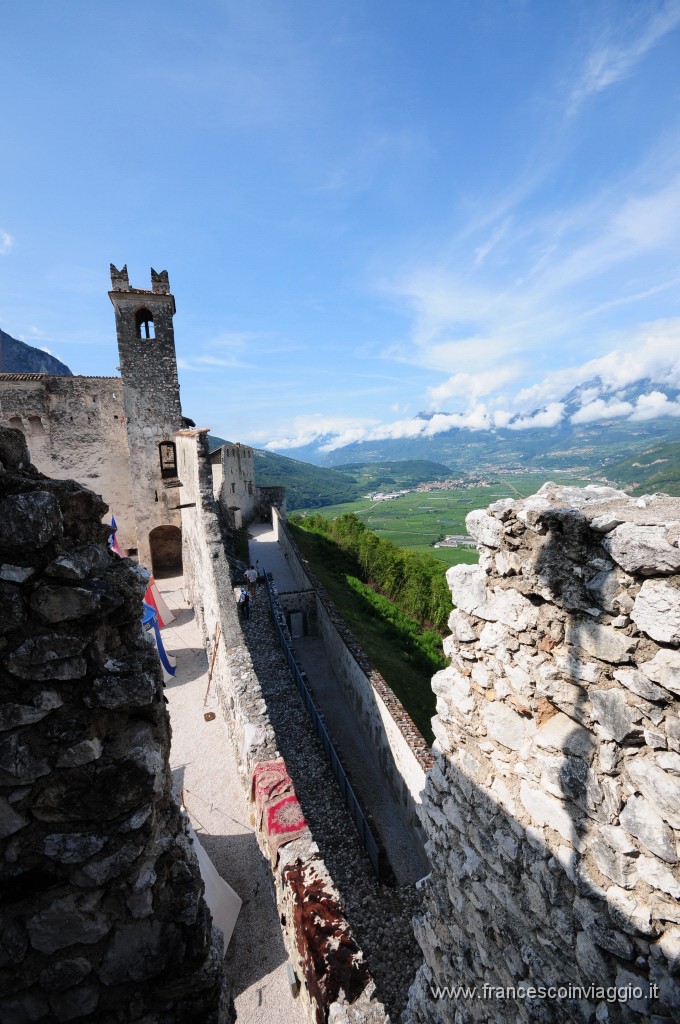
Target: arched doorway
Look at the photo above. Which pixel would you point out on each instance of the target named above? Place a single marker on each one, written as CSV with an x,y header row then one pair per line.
x,y
165,544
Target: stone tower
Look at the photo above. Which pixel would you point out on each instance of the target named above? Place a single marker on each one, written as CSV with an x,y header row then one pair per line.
x,y
148,367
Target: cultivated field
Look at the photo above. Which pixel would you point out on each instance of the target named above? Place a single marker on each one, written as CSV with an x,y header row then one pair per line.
x,y
416,521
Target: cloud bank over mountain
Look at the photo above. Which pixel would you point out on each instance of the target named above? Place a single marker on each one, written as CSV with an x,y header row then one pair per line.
x,y
639,383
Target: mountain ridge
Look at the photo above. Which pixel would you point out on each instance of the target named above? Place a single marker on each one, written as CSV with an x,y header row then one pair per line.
x,y
18,357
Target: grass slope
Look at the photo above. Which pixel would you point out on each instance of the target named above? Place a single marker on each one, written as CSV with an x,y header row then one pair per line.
x,y
390,646
655,469
416,521
387,476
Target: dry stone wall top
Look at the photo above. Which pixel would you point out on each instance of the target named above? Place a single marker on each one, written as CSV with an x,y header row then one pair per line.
x,y
553,811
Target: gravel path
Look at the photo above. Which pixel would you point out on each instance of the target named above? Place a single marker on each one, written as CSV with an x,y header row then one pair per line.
x,y
204,768
380,916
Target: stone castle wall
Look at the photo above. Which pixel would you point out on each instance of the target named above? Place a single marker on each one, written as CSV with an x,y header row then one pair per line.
x,y
553,810
151,399
323,952
102,915
77,430
388,729
237,482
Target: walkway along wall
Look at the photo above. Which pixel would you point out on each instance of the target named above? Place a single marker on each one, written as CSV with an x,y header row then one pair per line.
x,y
336,984
386,725
102,914
553,810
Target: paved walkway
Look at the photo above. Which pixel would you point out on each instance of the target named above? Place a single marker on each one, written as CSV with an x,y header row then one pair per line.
x,y
407,862
264,548
205,769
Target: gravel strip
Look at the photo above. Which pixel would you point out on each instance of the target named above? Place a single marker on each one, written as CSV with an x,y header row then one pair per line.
x,y
380,916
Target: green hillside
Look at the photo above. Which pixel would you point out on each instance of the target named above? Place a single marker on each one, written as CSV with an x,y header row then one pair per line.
x,y
310,486
654,469
306,486
395,475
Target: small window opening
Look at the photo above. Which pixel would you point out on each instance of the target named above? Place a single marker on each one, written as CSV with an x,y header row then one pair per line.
x,y
168,455
144,322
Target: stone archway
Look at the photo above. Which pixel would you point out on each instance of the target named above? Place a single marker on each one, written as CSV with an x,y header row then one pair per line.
x,y
165,544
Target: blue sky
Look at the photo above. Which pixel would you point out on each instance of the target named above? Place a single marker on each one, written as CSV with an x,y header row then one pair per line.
x,y
367,208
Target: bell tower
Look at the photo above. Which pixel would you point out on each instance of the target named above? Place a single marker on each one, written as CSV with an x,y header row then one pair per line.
x,y
148,367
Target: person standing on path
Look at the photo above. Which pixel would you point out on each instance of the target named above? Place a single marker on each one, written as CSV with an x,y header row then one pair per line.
x,y
251,576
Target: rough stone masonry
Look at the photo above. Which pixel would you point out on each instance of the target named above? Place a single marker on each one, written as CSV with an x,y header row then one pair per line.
x,y
102,914
553,810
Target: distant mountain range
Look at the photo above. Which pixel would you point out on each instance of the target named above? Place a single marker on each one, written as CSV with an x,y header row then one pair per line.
x,y
18,357
588,437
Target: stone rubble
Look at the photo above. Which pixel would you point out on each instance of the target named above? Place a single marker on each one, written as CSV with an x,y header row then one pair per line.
x,y
553,811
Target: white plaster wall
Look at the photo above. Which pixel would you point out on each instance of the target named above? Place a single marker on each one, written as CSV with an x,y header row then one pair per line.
x,y
75,428
237,486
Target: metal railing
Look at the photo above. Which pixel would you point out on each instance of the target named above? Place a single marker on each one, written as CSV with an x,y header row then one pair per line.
x,y
353,806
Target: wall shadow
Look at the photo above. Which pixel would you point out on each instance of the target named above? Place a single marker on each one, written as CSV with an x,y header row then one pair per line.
x,y
525,912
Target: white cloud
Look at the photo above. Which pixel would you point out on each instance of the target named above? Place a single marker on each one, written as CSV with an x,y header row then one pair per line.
x,y
653,405
651,352
308,429
6,242
610,62
548,417
601,410
473,386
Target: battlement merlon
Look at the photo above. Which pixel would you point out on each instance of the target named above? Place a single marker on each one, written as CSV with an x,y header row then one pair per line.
x,y
120,282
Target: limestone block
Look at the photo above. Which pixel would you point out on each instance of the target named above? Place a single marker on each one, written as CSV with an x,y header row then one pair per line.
x,y
599,641
64,974
669,944
10,821
469,592
506,726
75,1003
484,528
657,610
643,549
664,669
568,661
562,733
68,920
72,847
12,715
606,586
16,573
614,854
29,521
658,876
670,762
51,656
454,688
640,684
460,627
612,712
548,810
520,680
55,603
642,821
76,565
658,786
508,563
493,635
672,724
114,691
137,946
82,753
